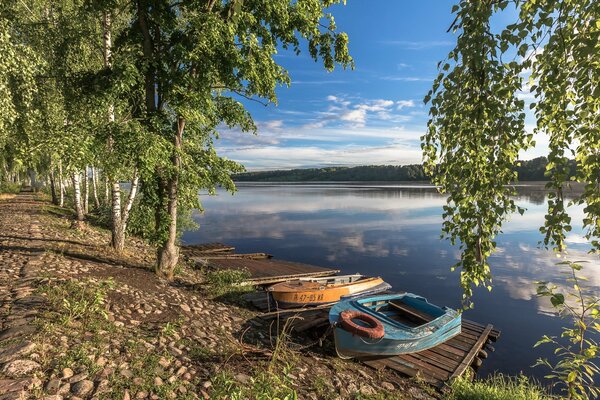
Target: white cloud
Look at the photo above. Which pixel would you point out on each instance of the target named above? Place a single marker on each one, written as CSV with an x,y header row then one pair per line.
x,y
404,103
266,157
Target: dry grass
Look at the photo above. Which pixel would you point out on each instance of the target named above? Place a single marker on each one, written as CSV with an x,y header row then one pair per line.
x,y
7,196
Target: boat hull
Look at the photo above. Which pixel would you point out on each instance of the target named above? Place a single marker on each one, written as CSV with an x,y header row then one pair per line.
x,y
287,295
397,340
316,300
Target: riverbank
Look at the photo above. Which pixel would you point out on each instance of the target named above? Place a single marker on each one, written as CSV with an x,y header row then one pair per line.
x,y
79,321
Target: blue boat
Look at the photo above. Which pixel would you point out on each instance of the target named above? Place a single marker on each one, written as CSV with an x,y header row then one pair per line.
x,y
389,325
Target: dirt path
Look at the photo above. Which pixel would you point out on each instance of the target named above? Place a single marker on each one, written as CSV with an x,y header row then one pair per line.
x,y
80,322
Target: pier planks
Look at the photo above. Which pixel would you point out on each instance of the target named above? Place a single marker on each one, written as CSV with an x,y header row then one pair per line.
x,y
265,271
436,366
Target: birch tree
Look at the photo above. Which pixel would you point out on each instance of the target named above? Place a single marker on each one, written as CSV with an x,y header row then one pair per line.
x,y
476,128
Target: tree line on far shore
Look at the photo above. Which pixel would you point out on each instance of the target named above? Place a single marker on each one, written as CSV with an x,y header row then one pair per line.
x,y
529,170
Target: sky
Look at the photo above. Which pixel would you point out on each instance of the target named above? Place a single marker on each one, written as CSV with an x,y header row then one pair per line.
x,y
372,115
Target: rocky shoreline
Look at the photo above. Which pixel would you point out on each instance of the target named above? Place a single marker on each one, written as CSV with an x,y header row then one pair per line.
x,y
80,322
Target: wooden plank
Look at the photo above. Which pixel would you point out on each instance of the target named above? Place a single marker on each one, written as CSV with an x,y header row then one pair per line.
x,y
206,248
423,366
494,333
265,271
473,353
447,354
437,359
227,256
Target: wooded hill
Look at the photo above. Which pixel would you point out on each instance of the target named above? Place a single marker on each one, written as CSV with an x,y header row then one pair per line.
x,y
531,170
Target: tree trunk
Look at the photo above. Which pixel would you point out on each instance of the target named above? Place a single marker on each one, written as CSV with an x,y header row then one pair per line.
x,y
77,197
95,186
168,253
53,187
106,191
86,191
61,184
117,232
121,217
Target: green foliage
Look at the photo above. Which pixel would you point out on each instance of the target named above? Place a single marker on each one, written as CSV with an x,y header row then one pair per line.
x,y
476,128
77,301
6,187
227,283
263,385
577,350
497,387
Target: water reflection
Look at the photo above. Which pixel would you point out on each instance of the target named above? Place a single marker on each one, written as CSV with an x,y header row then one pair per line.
x,y
393,231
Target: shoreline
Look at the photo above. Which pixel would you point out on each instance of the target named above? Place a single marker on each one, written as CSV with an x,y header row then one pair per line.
x,y
83,322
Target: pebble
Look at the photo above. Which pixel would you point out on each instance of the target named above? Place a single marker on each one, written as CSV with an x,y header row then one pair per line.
x,y
52,386
79,377
17,368
67,373
16,350
185,307
82,388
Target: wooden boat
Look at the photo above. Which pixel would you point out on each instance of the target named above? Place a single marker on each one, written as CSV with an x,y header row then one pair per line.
x,y
388,325
317,291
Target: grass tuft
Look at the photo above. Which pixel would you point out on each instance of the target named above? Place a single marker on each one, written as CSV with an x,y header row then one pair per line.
x,y
497,387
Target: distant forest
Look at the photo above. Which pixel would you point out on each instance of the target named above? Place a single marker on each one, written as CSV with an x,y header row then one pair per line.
x,y
531,170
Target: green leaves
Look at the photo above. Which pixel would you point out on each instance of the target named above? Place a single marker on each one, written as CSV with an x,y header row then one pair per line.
x,y
477,122
473,139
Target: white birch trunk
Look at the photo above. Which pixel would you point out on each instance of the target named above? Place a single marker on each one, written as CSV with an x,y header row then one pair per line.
x,y
95,186
61,184
77,196
86,191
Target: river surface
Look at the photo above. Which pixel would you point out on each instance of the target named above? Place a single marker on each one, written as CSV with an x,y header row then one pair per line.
x,y
393,230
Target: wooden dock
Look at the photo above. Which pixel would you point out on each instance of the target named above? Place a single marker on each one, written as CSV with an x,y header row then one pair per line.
x,y
436,366
261,267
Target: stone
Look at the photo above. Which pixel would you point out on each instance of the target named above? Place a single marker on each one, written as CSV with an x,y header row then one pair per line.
x,y
64,389
126,373
15,385
141,395
67,373
17,331
53,397
242,378
18,368
82,388
158,381
126,395
102,387
138,381
79,377
15,351
387,386
101,361
207,384
185,307
52,386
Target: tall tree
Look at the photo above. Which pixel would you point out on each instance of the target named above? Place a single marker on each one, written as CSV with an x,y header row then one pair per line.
x,y
200,57
476,126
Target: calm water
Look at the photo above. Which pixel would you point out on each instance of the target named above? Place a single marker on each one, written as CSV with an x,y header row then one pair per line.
x,y
393,231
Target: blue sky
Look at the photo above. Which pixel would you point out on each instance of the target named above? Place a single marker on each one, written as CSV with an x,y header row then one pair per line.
x,y
371,115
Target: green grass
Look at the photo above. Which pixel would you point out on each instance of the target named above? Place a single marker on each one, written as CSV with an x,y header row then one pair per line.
x,y
6,187
498,387
226,284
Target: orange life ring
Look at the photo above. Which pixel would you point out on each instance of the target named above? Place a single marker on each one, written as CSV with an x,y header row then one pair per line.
x,y
373,331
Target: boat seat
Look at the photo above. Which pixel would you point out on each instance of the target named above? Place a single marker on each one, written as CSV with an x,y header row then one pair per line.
x,y
413,312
